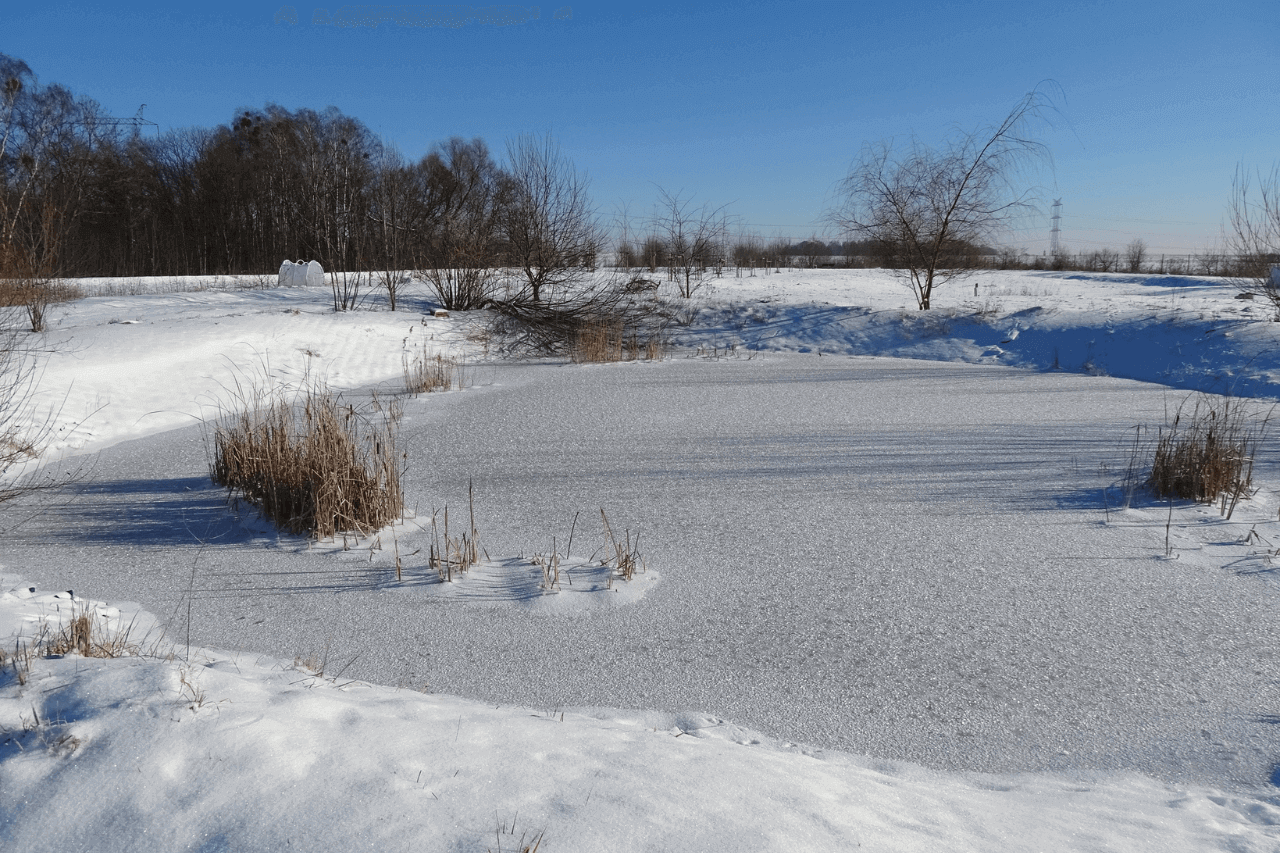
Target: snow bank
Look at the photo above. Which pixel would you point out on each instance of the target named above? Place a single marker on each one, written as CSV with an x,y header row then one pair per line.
x,y
187,748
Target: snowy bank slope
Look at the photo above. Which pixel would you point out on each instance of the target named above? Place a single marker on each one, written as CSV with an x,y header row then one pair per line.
x,y
1185,332
233,752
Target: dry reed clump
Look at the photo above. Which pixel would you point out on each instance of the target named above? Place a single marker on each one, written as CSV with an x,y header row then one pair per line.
x,y
1208,452
314,465
90,638
454,554
605,340
86,634
626,553
426,372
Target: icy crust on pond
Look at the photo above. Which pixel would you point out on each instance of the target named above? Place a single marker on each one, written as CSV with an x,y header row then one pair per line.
x,y
258,754
546,582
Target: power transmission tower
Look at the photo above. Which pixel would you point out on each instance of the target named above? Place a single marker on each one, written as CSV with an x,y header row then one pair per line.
x,y
135,122
1053,234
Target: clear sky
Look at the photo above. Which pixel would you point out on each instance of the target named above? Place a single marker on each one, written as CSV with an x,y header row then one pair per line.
x,y
761,106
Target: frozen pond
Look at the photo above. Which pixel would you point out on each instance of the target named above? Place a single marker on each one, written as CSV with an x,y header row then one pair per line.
x,y
896,558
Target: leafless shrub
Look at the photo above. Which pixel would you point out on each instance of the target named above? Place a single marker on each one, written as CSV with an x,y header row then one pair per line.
x,y
1254,215
1103,260
468,192
347,286
1134,255
313,464
555,327
16,293
639,284
25,426
462,288
551,232
692,238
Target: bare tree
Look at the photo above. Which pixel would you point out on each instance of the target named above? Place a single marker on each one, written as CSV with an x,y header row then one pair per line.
x,y
393,216
811,250
653,253
1255,231
930,209
627,255
748,251
44,182
1134,255
693,237
464,197
1102,260
550,229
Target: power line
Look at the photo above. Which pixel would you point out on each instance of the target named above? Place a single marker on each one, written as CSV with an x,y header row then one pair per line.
x,y
135,121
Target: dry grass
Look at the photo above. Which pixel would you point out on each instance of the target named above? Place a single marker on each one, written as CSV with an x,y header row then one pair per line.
x,y
89,636
625,557
426,371
527,842
1209,451
19,293
86,634
142,286
603,340
550,565
454,554
313,465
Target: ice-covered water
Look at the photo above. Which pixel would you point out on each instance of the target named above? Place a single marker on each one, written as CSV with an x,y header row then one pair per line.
x,y
896,558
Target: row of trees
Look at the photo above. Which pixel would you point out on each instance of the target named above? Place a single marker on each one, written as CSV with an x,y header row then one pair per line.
x,y
79,197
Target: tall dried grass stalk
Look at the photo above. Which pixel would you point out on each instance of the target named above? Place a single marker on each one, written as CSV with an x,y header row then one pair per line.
x,y
88,636
454,554
426,372
626,553
313,465
1208,452
606,340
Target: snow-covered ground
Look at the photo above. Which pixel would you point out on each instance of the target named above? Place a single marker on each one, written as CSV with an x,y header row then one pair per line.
x,y
889,603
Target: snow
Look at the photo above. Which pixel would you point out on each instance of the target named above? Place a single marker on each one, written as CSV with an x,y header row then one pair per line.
x,y
892,597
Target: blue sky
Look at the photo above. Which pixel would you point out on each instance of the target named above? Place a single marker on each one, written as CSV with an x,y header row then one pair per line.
x,y
760,106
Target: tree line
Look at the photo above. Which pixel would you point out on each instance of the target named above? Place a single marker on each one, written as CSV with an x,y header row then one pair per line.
x,y
80,196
